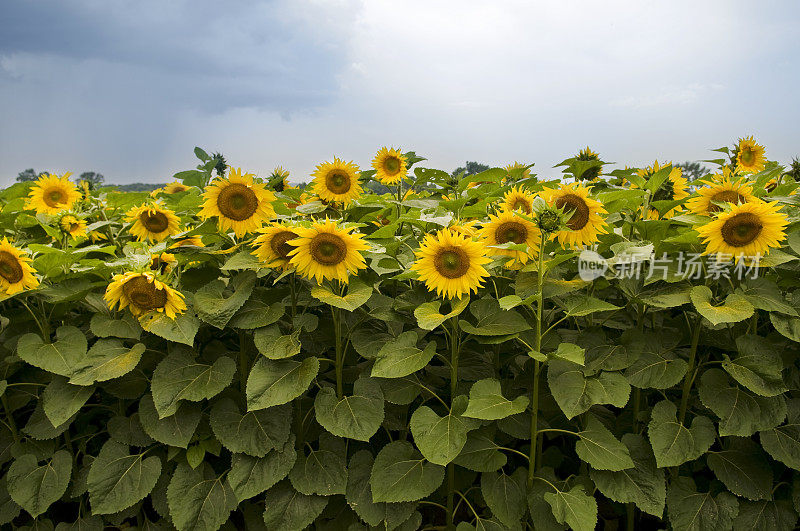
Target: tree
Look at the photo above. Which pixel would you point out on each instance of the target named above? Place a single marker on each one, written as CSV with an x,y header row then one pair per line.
x,y
693,170
471,168
27,175
93,178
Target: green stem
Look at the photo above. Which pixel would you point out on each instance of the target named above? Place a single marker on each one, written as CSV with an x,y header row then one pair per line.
x,y
243,365
11,424
688,380
537,366
630,521
294,296
455,348
337,326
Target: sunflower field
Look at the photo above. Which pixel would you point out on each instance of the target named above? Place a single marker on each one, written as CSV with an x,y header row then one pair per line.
x,y
593,348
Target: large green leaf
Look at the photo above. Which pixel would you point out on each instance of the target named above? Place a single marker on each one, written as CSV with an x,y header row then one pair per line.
x,y
276,382
783,442
117,479
174,430
254,433
358,292
181,377
59,357
735,308
256,313
359,495
271,343
743,468
758,366
440,439
106,360
658,365
357,416
480,452
674,444
598,447
690,510
401,357
486,401
125,327
35,487
778,515
579,305
62,400
250,476
288,510
217,302
401,474
182,329
199,499
491,320
322,471
574,508
429,317
575,391
765,295
505,495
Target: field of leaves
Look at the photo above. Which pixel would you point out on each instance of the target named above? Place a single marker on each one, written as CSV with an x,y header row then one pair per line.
x,y
588,348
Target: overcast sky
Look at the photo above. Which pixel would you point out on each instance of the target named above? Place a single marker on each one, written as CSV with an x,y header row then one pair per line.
x,y
129,88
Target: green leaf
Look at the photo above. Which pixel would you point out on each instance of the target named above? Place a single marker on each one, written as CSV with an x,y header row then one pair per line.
x,y
541,512
215,307
357,416
174,430
783,442
579,305
765,295
743,468
575,392
401,474
574,508
195,455
288,510
757,366
128,430
673,444
322,471
181,377
598,447
272,344
256,314
126,327
788,327
486,401
276,382
689,510
199,499
358,292
39,426
740,412
669,296
61,400
440,439
493,320
480,452
776,515
643,484
736,307
35,487
59,357
428,316
250,476
118,480
254,433
658,365
401,357
570,352
87,523
182,329
505,495
359,495
106,360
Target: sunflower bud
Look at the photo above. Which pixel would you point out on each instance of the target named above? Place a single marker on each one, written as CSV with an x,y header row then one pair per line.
x,y
219,164
549,220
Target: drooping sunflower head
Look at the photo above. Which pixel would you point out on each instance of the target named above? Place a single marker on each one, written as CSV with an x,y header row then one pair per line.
x,y
16,272
239,203
745,230
72,225
451,264
162,263
144,293
518,198
749,155
52,194
584,224
327,251
279,179
273,247
725,190
509,227
152,222
519,168
337,181
390,166
175,187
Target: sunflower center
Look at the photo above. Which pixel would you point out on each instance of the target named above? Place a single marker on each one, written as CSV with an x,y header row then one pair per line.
x,y
237,202
53,198
579,209
520,202
279,244
725,196
451,262
144,295
511,231
337,182
665,192
154,221
741,229
328,249
748,157
391,166
10,268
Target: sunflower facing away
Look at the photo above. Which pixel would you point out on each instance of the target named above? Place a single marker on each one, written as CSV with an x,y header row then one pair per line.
x,y
390,166
272,247
327,251
585,155
72,225
16,273
749,156
508,227
725,190
143,293
239,203
175,187
162,263
518,199
518,167
337,181
152,222
51,194
585,224
746,230
279,179
451,264
674,188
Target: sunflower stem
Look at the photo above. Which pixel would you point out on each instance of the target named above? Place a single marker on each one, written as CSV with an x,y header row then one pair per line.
x,y
688,380
243,365
337,328
455,348
11,424
536,369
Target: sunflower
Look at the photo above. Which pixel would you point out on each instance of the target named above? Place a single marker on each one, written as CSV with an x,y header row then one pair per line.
x,y
518,199
238,202
72,225
152,222
16,273
272,247
467,228
508,227
587,154
304,198
725,190
451,264
175,187
143,293
390,166
593,172
337,181
51,194
674,188
279,179
162,263
749,156
191,241
524,171
585,223
327,251
746,230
